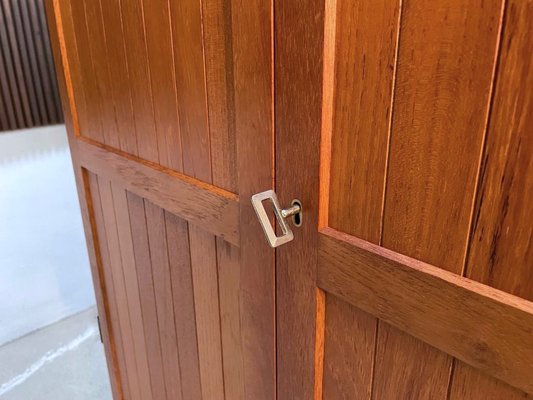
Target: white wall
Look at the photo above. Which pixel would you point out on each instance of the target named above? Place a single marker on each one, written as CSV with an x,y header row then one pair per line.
x,y
44,270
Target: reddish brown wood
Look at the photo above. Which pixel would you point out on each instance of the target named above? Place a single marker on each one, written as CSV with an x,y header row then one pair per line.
x,y
102,78
349,351
251,30
157,25
89,213
93,126
229,280
113,325
440,110
190,85
500,253
162,281
115,270
298,101
358,89
119,75
139,79
183,301
129,266
219,75
144,276
482,326
190,112
207,206
364,63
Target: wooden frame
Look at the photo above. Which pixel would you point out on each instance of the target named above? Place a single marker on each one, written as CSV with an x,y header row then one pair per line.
x,y
482,326
205,205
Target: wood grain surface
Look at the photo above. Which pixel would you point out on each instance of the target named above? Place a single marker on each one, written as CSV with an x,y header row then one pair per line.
x,y
298,33
159,99
361,92
500,253
440,111
482,326
252,48
207,206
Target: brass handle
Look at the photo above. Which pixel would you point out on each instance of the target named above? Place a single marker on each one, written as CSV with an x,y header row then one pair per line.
x,y
281,215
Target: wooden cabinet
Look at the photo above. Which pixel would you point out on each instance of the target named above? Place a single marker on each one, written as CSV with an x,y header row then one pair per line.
x,y
405,130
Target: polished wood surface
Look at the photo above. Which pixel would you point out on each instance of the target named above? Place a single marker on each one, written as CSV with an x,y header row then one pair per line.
x,y
501,254
405,152
356,196
298,81
159,99
402,127
208,206
487,328
439,123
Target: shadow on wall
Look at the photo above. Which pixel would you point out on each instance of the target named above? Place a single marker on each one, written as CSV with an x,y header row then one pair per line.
x,y
44,269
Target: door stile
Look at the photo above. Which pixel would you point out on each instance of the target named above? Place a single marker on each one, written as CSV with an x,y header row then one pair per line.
x,y
298,40
252,86
56,26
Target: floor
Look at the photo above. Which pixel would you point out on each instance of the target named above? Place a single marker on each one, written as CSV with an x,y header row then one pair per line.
x,y
64,361
44,266
49,341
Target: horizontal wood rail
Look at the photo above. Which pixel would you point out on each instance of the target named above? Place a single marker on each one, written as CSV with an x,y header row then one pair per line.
x,y
202,204
482,326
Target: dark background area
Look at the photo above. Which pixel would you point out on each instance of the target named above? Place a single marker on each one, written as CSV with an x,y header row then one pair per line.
x,y
28,88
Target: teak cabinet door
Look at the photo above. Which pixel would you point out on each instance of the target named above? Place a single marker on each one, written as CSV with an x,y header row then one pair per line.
x,y
168,109
403,127
406,130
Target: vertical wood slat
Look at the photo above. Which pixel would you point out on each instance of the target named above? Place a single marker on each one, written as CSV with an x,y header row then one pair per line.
x,y
119,75
99,58
253,80
298,102
183,302
116,272
150,321
218,63
55,14
440,108
191,97
162,286
70,73
121,204
141,91
218,55
364,58
502,230
107,239
84,81
159,52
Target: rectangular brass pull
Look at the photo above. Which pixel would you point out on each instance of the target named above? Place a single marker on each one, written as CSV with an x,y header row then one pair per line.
x,y
281,215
